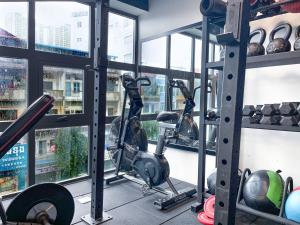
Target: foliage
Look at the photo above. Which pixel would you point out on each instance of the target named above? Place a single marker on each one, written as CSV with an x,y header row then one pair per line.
x,y
71,153
151,128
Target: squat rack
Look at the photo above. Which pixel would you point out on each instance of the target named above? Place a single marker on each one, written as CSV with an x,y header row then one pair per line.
x,y
233,67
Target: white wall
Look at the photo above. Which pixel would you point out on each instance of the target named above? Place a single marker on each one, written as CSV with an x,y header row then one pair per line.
x,y
263,149
167,15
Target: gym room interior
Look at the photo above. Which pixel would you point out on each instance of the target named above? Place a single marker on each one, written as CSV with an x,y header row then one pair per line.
x,y
149,112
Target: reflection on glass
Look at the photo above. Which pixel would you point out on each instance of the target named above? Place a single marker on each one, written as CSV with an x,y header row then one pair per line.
x,y
154,96
152,129
178,98
14,24
198,51
66,86
115,92
61,153
181,52
154,53
120,38
108,163
68,32
13,168
197,83
13,85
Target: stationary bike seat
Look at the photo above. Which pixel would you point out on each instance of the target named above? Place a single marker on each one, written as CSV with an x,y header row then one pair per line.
x,y
167,116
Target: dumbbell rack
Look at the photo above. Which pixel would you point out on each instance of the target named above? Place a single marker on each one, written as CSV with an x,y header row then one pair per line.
x,y
233,69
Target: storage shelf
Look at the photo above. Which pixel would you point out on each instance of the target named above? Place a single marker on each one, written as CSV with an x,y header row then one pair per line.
x,y
272,127
279,59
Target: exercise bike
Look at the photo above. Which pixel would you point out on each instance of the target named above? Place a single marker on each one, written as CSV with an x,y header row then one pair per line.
x,y
128,150
40,204
181,129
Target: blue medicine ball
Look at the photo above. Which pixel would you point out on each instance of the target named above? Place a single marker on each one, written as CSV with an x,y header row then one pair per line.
x,y
292,206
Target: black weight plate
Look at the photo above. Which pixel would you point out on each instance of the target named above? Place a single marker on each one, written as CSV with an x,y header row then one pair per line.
x,y
52,193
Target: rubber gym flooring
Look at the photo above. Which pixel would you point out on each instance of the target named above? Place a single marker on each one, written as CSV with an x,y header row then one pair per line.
x,y
127,205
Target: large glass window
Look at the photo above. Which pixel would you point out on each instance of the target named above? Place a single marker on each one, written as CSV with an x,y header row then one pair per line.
x,y
198,51
120,38
14,24
178,98
115,92
108,163
154,96
13,168
181,52
66,86
154,53
197,83
61,153
68,32
13,86
152,129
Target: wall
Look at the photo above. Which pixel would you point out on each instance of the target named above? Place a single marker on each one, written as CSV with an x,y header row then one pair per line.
x,y
167,15
262,149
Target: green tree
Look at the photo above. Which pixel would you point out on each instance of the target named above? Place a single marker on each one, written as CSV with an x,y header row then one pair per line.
x,y
71,153
151,128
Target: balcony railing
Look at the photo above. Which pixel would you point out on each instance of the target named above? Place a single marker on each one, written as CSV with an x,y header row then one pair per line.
x,y
12,95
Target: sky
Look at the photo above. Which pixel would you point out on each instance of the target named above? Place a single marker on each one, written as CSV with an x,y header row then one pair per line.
x,y
52,13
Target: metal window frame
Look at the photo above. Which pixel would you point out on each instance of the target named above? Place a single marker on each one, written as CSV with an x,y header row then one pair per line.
x,y
37,59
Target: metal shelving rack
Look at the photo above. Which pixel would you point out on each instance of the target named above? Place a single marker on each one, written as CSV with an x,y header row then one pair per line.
x,y
230,124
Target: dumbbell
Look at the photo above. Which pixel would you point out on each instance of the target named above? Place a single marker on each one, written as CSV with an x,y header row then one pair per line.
x,y
212,114
271,114
290,115
252,115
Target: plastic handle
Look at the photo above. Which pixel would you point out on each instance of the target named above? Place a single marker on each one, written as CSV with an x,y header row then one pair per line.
x,y
261,32
285,26
297,32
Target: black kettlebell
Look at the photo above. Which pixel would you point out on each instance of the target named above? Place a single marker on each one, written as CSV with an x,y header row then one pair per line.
x,y
280,44
297,42
256,48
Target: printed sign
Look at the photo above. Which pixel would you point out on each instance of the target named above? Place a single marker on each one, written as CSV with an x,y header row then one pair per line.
x,y
15,158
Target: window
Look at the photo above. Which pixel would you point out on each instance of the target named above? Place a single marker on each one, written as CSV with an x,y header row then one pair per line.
x,y
76,87
13,88
120,38
108,164
60,34
64,153
197,83
152,129
66,99
14,24
115,92
79,40
154,96
198,51
181,52
154,53
177,97
13,168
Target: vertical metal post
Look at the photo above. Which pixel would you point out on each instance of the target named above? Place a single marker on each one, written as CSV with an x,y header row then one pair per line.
x,y
168,66
203,111
33,82
99,113
235,39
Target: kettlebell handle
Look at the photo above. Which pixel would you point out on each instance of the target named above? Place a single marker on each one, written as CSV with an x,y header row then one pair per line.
x,y
261,32
297,32
284,26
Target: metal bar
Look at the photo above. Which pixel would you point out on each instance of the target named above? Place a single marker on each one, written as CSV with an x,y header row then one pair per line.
x,y
100,64
168,74
203,112
235,38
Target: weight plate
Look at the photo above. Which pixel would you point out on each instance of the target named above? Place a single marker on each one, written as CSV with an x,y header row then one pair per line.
x,y
47,198
204,219
209,207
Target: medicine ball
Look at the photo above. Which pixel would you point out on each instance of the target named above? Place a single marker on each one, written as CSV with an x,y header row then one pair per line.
x,y
263,191
211,182
292,206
